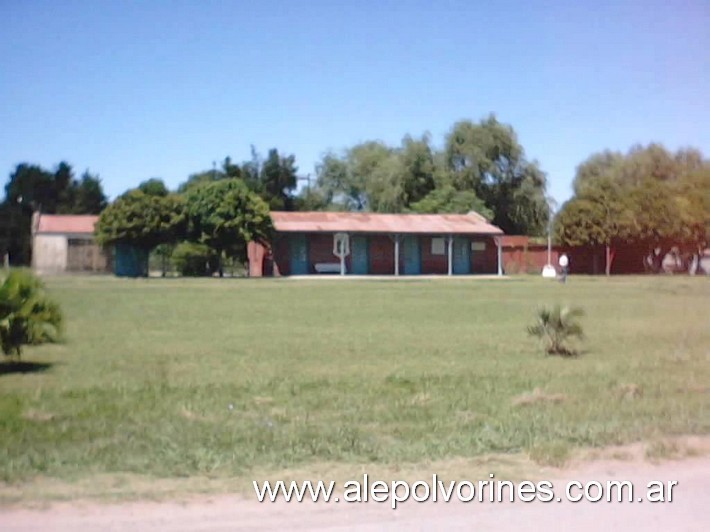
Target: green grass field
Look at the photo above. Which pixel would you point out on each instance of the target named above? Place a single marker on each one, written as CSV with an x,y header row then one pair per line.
x,y
226,378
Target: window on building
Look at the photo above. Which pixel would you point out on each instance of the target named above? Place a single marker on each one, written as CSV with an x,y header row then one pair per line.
x,y
438,246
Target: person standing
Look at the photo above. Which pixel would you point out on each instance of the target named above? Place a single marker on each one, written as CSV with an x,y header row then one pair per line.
x,y
564,266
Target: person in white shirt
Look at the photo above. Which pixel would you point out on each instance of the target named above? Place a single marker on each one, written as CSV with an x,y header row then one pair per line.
x,y
564,266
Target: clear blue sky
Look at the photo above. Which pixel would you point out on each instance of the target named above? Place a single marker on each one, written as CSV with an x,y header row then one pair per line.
x,y
139,89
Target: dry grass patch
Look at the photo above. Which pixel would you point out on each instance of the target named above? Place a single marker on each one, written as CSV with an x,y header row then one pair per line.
x,y
538,396
629,391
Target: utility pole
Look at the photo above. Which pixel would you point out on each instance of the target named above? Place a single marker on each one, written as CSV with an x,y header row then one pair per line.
x,y
307,179
549,271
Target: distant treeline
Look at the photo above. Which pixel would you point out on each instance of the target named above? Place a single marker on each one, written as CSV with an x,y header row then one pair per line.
x,y
649,195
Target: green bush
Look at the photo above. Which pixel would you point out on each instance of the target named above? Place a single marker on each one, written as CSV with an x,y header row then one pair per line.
x,y
194,260
556,327
27,315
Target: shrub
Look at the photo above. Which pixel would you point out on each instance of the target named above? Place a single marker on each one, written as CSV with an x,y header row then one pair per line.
x,y
193,260
556,327
27,315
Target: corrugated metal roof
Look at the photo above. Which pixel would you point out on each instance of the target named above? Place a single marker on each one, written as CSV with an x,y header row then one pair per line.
x,y
67,223
364,222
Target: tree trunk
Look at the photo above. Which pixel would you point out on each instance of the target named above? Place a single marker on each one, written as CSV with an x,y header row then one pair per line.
x,y
220,268
610,253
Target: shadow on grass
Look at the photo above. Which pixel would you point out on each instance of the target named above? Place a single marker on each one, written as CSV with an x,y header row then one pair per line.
x,y
7,368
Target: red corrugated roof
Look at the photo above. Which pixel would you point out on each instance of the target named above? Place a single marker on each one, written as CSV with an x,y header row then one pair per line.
x,y
67,223
364,222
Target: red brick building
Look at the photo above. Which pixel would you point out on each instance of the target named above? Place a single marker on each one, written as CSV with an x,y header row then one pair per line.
x,y
379,244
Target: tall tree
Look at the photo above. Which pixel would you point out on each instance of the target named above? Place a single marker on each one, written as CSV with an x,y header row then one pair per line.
x,y
368,177
488,159
418,168
88,195
35,188
278,180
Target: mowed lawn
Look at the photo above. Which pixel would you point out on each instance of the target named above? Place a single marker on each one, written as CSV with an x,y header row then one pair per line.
x,y
172,377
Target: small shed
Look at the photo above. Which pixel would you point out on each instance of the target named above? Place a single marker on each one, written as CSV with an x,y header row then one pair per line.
x,y
66,244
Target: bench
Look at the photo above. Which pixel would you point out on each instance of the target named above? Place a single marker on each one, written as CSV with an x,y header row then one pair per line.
x,y
328,267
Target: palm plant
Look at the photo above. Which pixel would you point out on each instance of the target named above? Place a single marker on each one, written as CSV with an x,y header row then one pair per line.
x,y
27,315
556,326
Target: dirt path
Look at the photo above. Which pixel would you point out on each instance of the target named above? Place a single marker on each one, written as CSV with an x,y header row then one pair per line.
x,y
688,511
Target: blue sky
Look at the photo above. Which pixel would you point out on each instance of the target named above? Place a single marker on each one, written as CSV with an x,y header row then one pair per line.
x,y
135,89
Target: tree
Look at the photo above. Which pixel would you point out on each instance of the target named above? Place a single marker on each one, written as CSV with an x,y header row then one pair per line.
x,y
598,217
278,180
87,195
142,221
200,178
418,169
60,192
368,177
648,197
692,201
337,185
225,215
33,187
447,199
27,314
154,187
488,159
311,199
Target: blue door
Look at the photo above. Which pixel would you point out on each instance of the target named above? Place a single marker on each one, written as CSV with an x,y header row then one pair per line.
x,y
130,261
299,254
412,255
359,248
462,256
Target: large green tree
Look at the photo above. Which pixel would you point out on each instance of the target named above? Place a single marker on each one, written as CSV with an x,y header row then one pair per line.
x,y
482,167
372,176
143,221
225,215
648,197
487,158
599,217
55,192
